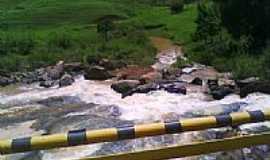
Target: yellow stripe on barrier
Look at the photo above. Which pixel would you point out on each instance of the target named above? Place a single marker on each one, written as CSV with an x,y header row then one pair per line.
x,y
5,146
198,123
102,135
193,149
149,130
50,141
240,118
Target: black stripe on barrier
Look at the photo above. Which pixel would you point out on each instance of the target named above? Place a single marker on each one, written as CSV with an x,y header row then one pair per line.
x,y
173,127
256,116
21,144
77,137
126,132
224,120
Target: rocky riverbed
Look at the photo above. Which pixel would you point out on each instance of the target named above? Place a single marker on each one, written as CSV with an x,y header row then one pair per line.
x,y
159,93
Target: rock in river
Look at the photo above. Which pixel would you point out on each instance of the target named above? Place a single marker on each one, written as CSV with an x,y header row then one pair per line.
x,y
97,73
66,80
123,86
4,81
260,86
171,87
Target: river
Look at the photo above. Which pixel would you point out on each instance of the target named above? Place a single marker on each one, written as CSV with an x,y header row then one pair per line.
x,y
27,110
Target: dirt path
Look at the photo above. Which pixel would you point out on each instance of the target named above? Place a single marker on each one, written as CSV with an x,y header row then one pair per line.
x,y
168,52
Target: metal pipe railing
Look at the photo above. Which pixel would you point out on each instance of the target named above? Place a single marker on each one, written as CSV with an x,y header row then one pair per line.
x,y
82,137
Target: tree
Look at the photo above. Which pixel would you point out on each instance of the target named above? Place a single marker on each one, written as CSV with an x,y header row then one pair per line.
x,y
104,27
176,6
247,17
208,21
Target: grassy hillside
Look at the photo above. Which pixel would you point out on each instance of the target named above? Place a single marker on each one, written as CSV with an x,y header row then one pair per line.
x,y
40,32
52,13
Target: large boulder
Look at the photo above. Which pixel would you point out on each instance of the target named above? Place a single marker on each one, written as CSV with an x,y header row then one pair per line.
x,y
132,72
75,67
55,72
66,80
197,81
123,86
4,81
245,82
97,73
221,91
142,89
151,77
259,86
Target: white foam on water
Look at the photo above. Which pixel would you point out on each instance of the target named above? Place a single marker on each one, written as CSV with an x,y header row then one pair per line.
x,y
139,107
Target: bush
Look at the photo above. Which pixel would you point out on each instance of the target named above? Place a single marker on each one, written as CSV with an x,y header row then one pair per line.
x,y
104,27
245,66
266,63
176,6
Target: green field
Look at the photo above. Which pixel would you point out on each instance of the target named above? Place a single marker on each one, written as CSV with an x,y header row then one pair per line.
x,y
40,32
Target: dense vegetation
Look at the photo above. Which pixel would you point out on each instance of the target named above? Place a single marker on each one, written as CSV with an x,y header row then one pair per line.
x,y
234,35
36,33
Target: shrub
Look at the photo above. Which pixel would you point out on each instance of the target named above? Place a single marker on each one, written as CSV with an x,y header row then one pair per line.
x,y
176,6
245,66
266,63
208,21
104,27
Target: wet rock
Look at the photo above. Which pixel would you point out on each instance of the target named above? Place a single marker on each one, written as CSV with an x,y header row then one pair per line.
x,y
30,77
197,81
221,91
47,84
171,87
260,86
212,84
124,86
97,73
221,109
142,89
75,67
151,77
66,80
4,81
60,101
178,88
245,82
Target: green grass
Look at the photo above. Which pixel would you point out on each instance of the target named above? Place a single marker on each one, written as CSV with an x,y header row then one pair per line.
x,y
72,24
179,27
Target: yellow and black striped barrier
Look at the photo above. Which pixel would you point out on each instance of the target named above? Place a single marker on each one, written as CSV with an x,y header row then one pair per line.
x,y
81,137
